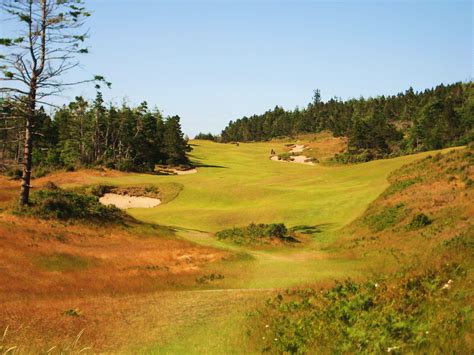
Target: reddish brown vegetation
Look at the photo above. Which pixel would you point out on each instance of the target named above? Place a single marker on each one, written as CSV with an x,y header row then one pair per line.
x,y
50,267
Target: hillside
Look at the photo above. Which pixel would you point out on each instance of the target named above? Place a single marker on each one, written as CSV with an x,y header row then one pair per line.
x,y
417,241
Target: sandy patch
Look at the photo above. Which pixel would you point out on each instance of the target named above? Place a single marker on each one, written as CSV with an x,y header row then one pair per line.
x,y
184,172
124,201
299,159
298,148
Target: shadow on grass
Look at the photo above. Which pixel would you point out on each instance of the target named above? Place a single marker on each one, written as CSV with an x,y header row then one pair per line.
x,y
310,230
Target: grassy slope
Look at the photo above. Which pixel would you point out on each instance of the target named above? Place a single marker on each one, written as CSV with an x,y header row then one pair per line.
x,y
236,186
425,301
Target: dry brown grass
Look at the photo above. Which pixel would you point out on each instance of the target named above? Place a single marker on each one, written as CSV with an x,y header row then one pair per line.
x,y
48,267
322,146
440,190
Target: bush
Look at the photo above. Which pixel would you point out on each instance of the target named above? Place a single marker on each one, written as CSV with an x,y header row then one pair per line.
x,y
414,313
278,230
419,221
41,171
14,173
54,202
387,218
256,233
101,190
399,186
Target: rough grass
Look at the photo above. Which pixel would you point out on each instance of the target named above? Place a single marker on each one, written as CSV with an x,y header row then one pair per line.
x,y
63,262
406,314
420,297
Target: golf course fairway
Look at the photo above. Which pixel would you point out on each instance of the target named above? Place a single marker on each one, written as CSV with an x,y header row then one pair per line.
x,y
235,186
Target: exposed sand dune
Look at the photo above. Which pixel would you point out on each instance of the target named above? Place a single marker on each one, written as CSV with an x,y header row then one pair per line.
x,y
124,201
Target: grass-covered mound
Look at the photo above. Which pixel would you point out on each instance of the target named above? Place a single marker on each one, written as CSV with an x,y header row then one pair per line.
x,y
54,202
257,234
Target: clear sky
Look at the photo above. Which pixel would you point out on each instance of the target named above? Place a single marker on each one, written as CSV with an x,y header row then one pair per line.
x,y
213,61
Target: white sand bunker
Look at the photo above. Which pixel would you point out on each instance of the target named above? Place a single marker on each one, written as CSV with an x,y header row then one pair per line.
x,y
300,159
298,148
184,172
125,201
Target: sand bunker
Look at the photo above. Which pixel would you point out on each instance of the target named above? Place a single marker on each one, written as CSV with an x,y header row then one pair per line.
x,y
300,159
184,172
298,148
174,171
124,201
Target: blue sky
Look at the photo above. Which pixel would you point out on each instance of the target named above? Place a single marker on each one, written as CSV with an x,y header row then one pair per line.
x,y
213,61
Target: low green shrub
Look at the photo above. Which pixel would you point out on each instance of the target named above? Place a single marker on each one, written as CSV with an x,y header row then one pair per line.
x,y
101,190
407,314
41,171
209,278
54,202
14,173
256,233
285,156
387,218
419,221
400,186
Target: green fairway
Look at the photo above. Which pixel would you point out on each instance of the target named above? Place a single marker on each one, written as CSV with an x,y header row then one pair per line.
x,y
238,185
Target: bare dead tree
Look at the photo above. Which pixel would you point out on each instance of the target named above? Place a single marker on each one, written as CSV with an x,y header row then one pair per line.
x,y
37,57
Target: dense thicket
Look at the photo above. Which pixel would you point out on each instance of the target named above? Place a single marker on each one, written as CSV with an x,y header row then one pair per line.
x,y
206,136
91,133
403,123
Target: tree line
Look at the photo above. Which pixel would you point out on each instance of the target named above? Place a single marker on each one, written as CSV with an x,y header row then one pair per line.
x,y
85,133
376,127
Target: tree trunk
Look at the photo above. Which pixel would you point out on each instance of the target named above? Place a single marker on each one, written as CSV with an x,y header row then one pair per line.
x,y
26,177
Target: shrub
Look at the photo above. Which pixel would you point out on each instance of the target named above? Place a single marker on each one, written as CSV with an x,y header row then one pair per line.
x,y
400,186
415,313
41,171
285,156
419,221
101,190
387,218
256,233
54,202
14,173
278,230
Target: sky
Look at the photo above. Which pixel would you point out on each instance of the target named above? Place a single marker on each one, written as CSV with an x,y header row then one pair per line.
x,y
214,61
